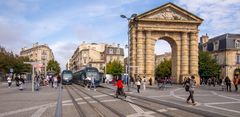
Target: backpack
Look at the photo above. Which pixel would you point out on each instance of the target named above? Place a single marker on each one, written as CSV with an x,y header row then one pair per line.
x,y
187,83
187,87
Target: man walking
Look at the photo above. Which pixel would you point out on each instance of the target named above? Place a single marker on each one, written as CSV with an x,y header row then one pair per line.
x,y
192,83
228,83
93,83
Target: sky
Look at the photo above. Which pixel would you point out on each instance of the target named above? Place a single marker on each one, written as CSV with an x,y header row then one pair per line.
x,y
65,24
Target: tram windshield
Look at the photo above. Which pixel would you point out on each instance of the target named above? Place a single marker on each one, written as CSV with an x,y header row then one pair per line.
x,y
93,74
67,76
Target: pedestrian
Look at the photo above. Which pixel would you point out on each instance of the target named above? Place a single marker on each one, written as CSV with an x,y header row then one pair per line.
x,y
150,81
138,85
120,87
9,80
17,80
228,83
192,83
93,83
144,83
235,82
223,84
55,81
21,83
37,83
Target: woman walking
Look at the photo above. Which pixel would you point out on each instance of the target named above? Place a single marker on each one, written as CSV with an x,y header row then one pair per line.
x,y
9,80
138,85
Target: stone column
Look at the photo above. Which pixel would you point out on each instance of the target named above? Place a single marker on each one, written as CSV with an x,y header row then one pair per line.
x,y
133,51
149,56
184,55
193,54
140,53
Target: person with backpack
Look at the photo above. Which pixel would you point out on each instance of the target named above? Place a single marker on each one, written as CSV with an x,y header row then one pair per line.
x,y
190,84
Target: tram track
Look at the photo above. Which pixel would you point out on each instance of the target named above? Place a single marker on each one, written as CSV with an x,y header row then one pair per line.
x,y
172,105
100,114
103,104
140,105
76,105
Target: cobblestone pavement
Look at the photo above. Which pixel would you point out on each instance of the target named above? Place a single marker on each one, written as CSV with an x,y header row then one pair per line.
x,y
16,103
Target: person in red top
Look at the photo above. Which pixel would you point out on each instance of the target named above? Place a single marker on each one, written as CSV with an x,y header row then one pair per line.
x,y
120,87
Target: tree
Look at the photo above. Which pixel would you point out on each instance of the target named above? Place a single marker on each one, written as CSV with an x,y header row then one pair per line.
x,y
164,69
208,67
9,60
53,66
115,68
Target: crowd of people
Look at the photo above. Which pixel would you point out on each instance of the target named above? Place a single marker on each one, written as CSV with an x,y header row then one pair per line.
x,y
39,80
19,80
225,83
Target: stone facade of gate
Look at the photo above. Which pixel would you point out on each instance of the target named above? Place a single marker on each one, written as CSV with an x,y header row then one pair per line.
x,y
173,24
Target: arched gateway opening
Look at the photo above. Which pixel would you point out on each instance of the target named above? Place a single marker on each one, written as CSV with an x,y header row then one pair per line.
x,y
169,55
173,24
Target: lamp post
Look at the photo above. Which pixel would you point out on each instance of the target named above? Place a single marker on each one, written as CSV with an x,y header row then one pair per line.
x,y
128,59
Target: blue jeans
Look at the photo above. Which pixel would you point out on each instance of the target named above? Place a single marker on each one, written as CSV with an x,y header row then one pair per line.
x,y
92,84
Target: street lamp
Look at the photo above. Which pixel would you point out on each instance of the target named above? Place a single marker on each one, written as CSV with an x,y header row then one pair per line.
x,y
128,59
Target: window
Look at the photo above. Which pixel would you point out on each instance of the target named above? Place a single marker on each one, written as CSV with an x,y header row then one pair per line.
x,y
216,45
118,51
238,59
237,43
110,51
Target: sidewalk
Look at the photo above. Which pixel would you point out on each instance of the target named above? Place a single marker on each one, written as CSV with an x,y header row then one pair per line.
x,y
25,103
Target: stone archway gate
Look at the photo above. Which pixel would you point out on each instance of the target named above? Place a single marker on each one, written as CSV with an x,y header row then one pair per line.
x,y
173,24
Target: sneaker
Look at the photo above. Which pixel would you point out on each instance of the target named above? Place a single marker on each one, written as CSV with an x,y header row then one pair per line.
x,y
187,102
194,104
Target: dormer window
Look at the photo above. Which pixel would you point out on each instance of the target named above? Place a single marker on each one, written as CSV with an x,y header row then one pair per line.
x,y
216,45
237,43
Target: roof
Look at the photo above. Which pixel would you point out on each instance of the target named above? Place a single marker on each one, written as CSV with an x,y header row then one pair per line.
x,y
225,36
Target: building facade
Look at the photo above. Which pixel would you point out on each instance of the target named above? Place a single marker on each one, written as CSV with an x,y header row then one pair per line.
x,y
38,53
160,58
95,55
226,50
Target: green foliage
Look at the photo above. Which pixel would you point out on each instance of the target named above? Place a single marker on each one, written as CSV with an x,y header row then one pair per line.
x,y
163,69
207,66
115,68
8,61
53,66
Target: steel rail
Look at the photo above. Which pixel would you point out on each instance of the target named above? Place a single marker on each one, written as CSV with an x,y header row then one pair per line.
x,y
78,108
91,105
165,114
180,107
106,106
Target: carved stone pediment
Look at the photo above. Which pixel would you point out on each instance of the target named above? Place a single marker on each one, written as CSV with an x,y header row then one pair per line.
x,y
169,14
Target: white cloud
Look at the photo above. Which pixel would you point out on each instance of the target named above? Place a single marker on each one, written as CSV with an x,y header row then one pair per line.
x,y
63,51
220,16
